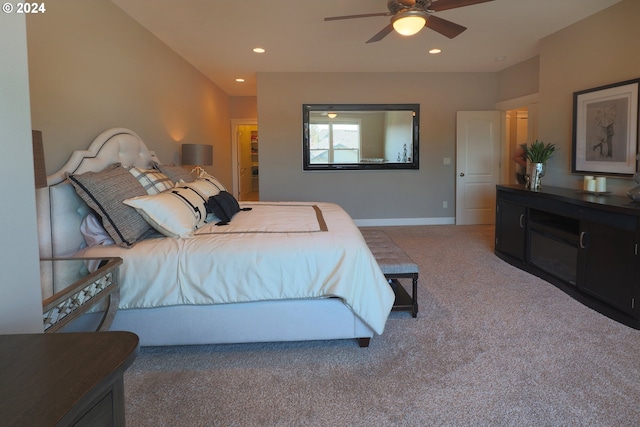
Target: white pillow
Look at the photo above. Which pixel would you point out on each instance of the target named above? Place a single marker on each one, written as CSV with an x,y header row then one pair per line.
x,y
174,213
213,181
206,187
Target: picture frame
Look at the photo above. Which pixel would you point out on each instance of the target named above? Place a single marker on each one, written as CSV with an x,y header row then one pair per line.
x,y
605,130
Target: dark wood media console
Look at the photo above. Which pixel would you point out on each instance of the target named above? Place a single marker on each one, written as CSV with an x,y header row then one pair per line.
x,y
585,244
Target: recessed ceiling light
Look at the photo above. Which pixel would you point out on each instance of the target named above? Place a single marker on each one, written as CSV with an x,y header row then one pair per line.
x,y
240,80
259,50
434,51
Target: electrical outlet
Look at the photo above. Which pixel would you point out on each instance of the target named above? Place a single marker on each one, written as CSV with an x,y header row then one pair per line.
x,y
445,205
447,160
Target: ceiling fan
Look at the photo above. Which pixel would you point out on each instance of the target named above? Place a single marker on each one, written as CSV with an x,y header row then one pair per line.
x,y
410,16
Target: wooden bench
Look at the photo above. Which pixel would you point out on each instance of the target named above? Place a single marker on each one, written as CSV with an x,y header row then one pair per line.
x,y
395,264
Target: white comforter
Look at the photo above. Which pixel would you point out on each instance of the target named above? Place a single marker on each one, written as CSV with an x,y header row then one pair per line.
x,y
275,251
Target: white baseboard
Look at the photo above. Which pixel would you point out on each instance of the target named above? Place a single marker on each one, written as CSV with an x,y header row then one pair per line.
x,y
384,222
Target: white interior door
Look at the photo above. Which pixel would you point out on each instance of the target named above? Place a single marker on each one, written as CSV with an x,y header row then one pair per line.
x,y
478,154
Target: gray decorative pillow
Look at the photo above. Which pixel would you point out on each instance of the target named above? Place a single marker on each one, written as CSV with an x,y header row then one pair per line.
x,y
104,192
175,173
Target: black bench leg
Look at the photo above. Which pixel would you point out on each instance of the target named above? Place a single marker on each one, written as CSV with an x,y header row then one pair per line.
x,y
414,296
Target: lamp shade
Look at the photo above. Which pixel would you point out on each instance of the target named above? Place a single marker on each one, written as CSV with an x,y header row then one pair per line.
x,y
39,169
410,22
197,154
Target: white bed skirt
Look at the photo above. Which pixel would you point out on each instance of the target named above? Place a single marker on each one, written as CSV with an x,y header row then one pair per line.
x,y
267,321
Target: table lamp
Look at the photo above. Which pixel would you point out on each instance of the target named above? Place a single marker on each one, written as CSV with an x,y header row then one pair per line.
x,y
197,155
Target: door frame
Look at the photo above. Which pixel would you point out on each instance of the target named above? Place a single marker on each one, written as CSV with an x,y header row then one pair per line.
x,y
235,170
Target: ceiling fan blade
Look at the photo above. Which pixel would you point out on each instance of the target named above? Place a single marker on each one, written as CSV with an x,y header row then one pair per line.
x,y
364,15
444,27
439,5
381,34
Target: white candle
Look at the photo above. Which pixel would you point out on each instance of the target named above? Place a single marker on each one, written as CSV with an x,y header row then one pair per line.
x,y
591,185
601,184
585,185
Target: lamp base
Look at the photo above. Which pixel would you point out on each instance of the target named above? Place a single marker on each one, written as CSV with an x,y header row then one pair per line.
x,y
199,170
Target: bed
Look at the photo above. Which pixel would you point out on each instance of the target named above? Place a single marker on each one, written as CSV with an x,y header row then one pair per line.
x,y
282,271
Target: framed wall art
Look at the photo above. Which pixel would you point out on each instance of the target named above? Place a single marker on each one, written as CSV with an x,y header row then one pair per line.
x,y
605,129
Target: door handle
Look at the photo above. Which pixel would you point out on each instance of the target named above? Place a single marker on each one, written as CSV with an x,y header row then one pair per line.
x,y
461,173
521,220
583,234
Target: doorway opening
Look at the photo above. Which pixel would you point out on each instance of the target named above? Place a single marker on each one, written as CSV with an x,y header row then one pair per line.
x,y
246,170
520,127
517,134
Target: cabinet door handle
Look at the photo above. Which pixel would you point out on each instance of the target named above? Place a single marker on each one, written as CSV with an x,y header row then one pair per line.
x,y
521,220
582,236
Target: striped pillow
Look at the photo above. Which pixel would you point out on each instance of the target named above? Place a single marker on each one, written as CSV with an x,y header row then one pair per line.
x,y
152,180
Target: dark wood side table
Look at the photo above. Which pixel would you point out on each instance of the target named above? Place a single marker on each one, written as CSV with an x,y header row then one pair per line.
x,y
67,379
71,286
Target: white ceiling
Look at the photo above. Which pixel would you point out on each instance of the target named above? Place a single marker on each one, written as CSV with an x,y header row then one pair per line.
x,y
217,36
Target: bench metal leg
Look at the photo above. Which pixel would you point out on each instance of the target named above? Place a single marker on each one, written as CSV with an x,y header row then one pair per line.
x,y
404,301
414,296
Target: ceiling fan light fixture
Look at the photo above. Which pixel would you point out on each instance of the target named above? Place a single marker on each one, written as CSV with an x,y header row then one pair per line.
x,y
332,115
409,22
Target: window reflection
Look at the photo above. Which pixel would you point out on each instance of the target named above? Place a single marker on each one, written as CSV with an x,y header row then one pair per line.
x,y
334,141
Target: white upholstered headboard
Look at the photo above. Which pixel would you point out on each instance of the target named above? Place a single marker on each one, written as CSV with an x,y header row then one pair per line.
x,y
60,210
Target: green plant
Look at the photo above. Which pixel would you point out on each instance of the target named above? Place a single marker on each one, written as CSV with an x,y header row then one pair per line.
x,y
539,152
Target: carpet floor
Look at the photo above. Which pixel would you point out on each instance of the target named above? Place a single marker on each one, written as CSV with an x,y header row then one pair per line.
x,y
492,346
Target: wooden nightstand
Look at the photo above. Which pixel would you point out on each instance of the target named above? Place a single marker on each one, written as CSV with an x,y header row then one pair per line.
x,y
70,379
71,286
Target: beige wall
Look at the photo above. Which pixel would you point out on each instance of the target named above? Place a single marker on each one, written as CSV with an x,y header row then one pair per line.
x,y
20,296
368,194
243,107
600,50
92,67
519,80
